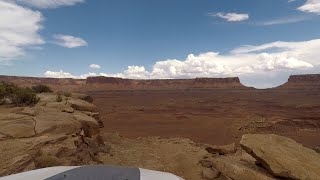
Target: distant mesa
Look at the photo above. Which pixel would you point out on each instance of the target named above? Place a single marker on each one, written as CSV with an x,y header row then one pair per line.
x,y
109,82
303,81
101,83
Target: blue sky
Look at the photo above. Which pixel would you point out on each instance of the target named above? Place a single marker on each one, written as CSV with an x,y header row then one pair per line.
x,y
161,38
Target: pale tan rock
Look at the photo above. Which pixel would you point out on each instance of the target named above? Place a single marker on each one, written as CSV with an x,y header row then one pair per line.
x,y
11,116
18,128
89,124
68,109
56,122
231,166
82,105
16,125
283,157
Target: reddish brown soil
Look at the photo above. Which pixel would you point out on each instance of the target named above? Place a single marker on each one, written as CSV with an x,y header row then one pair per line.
x,y
218,116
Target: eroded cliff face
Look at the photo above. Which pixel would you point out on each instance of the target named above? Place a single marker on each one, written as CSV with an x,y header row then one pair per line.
x,y
65,84
307,81
303,81
201,83
109,83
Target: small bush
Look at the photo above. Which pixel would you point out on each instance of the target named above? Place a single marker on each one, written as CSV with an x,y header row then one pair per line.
x,y
88,99
41,88
59,98
24,96
18,96
67,94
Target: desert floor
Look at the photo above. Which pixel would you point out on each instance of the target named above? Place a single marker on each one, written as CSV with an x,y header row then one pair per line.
x,y
211,116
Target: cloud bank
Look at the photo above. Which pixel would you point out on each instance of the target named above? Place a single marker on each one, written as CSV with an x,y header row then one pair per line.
x,y
19,30
271,59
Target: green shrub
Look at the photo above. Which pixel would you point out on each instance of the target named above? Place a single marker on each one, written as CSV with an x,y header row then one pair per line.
x,y
41,88
23,96
18,96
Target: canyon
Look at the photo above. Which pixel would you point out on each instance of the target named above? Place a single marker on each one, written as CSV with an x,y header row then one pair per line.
x,y
206,110
203,128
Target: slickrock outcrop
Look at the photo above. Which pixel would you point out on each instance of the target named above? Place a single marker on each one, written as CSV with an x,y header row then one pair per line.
x,y
36,137
232,167
283,157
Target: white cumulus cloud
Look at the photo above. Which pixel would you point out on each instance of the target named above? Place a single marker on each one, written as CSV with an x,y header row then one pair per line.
x,y
19,30
69,41
275,59
311,6
231,17
95,66
43,4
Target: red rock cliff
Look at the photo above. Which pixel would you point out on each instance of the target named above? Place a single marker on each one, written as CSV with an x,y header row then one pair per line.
x,y
303,81
109,83
118,83
54,83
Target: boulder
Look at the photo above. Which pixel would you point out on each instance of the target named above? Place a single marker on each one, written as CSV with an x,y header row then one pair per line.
x,y
82,105
222,150
56,122
232,167
95,115
89,124
283,157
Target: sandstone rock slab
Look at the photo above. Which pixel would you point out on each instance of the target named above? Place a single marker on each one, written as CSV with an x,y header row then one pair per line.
x,y
82,105
56,122
283,157
18,128
232,167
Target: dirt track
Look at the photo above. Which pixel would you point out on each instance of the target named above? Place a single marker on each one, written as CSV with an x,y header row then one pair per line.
x,y
212,116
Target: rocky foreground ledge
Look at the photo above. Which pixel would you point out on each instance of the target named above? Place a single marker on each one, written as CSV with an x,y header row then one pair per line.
x,y
67,133
55,131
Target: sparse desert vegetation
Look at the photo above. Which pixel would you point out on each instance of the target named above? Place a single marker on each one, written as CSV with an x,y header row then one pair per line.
x,y
18,96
